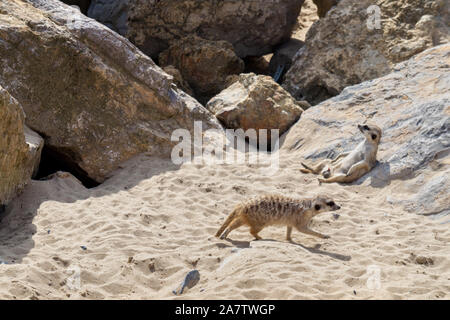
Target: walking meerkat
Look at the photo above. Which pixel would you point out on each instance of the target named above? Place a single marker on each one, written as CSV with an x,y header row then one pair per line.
x,y
350,166
269,210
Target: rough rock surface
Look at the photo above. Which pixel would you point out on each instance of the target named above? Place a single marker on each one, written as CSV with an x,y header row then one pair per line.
x,y
178,79
253,27
95,98
255,102
20,149
346,47
412,106
204,64
35,146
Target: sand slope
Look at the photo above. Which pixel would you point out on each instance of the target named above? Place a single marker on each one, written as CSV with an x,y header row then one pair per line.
x,y
146,227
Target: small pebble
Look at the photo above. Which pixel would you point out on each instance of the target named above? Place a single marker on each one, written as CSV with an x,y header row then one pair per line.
x,y
189,281
424,260
83,247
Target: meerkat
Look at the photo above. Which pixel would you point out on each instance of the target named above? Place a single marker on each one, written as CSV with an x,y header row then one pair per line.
x,y
350,166
269,210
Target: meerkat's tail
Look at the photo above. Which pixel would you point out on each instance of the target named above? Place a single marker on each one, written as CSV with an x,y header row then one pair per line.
x,y
227,222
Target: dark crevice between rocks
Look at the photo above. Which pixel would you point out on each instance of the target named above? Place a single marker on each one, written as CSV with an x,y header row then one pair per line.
x,y
53,161
82,4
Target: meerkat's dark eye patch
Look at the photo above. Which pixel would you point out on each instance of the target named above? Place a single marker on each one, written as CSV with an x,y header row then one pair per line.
x,y
374,136
331,203
366,127
317,207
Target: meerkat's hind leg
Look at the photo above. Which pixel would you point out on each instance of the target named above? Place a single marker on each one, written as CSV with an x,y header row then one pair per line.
x,y
306,169
362,165
233,225
317,169
337,178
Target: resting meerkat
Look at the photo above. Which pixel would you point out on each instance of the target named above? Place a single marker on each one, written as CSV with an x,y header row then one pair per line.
x,y
350,166
277,210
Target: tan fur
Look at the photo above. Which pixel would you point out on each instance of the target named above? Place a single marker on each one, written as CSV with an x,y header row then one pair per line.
x,y
277,210
348,167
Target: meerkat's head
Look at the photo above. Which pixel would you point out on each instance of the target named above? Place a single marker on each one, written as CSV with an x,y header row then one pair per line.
x,y
323,204
371,132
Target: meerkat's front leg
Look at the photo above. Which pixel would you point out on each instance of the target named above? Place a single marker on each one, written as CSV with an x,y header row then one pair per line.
x,y
313,233
288,233
358,166
340,156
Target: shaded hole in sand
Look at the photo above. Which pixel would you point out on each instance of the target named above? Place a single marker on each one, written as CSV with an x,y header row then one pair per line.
x,y
53,161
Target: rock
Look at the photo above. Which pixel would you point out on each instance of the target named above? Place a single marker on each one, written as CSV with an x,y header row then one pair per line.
x,y
35,146
252,27
231,79
424,260
255,102
63,175
346,47
191,279
97,100
178,79
323,6
82,4
283,57
257,65
412,107
204,64
20,149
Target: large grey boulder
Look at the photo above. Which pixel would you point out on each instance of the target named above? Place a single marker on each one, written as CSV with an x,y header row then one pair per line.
x,y
252,27
20,149
412,106
95,98
359,40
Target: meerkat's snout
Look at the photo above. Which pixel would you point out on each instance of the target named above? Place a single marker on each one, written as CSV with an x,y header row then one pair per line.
x,y
363,127
322,204
372,132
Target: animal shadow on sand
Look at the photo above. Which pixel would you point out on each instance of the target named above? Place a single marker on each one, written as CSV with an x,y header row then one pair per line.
x,y
234,243
380,175
315,249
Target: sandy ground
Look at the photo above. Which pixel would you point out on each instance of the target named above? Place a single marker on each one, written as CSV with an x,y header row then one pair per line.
x,y
138,234
153,222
